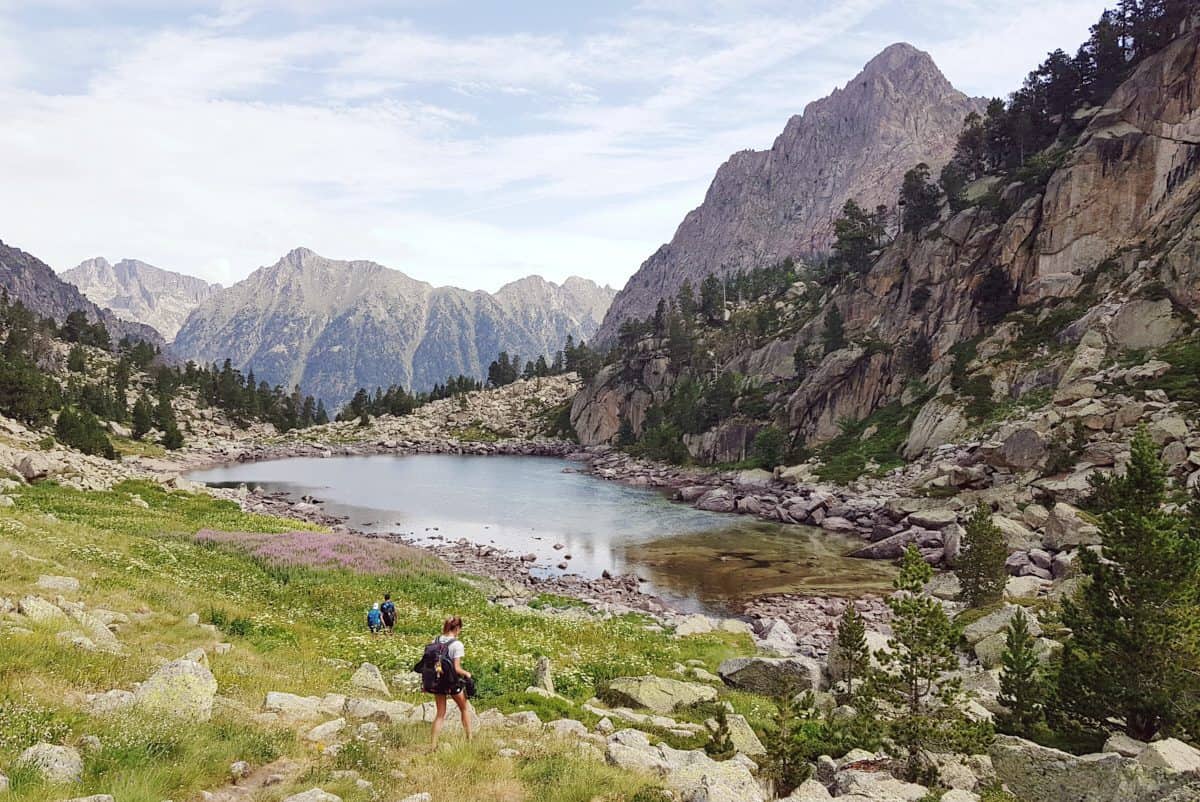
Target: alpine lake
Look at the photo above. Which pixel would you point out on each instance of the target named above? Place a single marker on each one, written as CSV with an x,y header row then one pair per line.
x,y
526,505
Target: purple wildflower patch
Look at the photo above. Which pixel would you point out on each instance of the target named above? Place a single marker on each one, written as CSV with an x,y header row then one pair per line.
x,y
321,550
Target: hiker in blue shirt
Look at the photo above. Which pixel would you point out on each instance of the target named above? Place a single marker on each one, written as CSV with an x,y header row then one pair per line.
x,y
375,620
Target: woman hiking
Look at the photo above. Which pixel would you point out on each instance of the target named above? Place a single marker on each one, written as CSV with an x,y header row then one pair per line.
x,y
442,675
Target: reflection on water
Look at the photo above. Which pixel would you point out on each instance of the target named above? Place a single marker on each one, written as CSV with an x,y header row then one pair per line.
x,y
532,504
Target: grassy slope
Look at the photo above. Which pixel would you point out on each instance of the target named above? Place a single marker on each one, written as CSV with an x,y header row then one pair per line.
x,y
282,622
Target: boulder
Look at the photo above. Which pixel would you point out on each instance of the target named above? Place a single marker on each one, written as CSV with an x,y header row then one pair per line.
x,y
37,466
772,676
377,710
660,694
543,677
40,611
293,708
1023,587
326,733
742,735
877,785
1022,450
1064,529
1017,536
778,638
1122,744
313,795
368,677
809,791
1144,324
54,764
99,704
933,518
1032,772
993,623
1171,755
632,758
183,689
694,625
58,584
706,780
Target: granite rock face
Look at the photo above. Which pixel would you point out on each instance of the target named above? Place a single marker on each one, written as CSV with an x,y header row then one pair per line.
x,y
141,292
764,206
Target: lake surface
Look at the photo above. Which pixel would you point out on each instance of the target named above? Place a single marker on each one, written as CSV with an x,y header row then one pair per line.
x,y
697,559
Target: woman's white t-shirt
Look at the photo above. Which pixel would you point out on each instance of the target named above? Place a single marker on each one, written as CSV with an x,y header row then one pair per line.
x,y
456,650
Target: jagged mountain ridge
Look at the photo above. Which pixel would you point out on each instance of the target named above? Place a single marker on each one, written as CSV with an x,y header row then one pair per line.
x,y
32,282
142,292
764,206
334,326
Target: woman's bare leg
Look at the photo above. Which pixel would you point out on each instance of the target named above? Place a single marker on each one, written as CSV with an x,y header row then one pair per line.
x,y
464,710
439,718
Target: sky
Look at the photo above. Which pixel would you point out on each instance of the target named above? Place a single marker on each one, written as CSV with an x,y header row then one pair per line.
x,y
465,143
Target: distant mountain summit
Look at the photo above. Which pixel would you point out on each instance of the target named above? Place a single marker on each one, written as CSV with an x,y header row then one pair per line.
x,y
142,292
334,326
32,282
764,206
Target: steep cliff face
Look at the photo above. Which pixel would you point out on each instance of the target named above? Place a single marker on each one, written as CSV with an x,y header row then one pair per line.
x,y
1034,290
1113,230
141,292
31,281
764,206
333,326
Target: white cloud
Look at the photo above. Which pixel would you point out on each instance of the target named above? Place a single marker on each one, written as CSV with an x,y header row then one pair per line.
x,y
215,143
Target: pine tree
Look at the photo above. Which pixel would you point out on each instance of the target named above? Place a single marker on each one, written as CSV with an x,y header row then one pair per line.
x,y
835,332
786,764
981,565
920,197
920,701
1022,691
143,418
720,743
1134,650
853,656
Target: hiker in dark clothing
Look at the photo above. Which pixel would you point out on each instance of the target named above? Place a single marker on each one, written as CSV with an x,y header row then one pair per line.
x,y
442,675
388,611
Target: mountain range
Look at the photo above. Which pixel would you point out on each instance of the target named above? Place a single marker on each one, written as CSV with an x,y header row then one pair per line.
x,y
764,206
138,291
333,326
32,282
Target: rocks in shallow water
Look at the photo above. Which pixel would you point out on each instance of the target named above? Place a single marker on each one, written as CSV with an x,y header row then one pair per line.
x,y
182,689
54,764
772,676
660,694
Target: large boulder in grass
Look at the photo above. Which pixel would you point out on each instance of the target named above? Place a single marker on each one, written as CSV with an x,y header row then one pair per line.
x,y
183,689
54,764
368,677
1031,772
660,694
772,676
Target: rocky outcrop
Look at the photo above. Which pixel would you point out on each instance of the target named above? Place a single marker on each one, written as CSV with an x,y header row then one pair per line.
x,y
31,281
334,326
141,292
764,206
622,393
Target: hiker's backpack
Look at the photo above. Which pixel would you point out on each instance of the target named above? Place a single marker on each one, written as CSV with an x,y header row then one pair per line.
x,y
389,612
373,618
436,668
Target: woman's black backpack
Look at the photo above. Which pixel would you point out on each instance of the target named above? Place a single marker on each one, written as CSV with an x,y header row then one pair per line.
x,y
437,669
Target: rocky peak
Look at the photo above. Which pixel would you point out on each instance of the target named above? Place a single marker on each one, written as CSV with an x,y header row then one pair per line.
x,y
764,206
140,291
